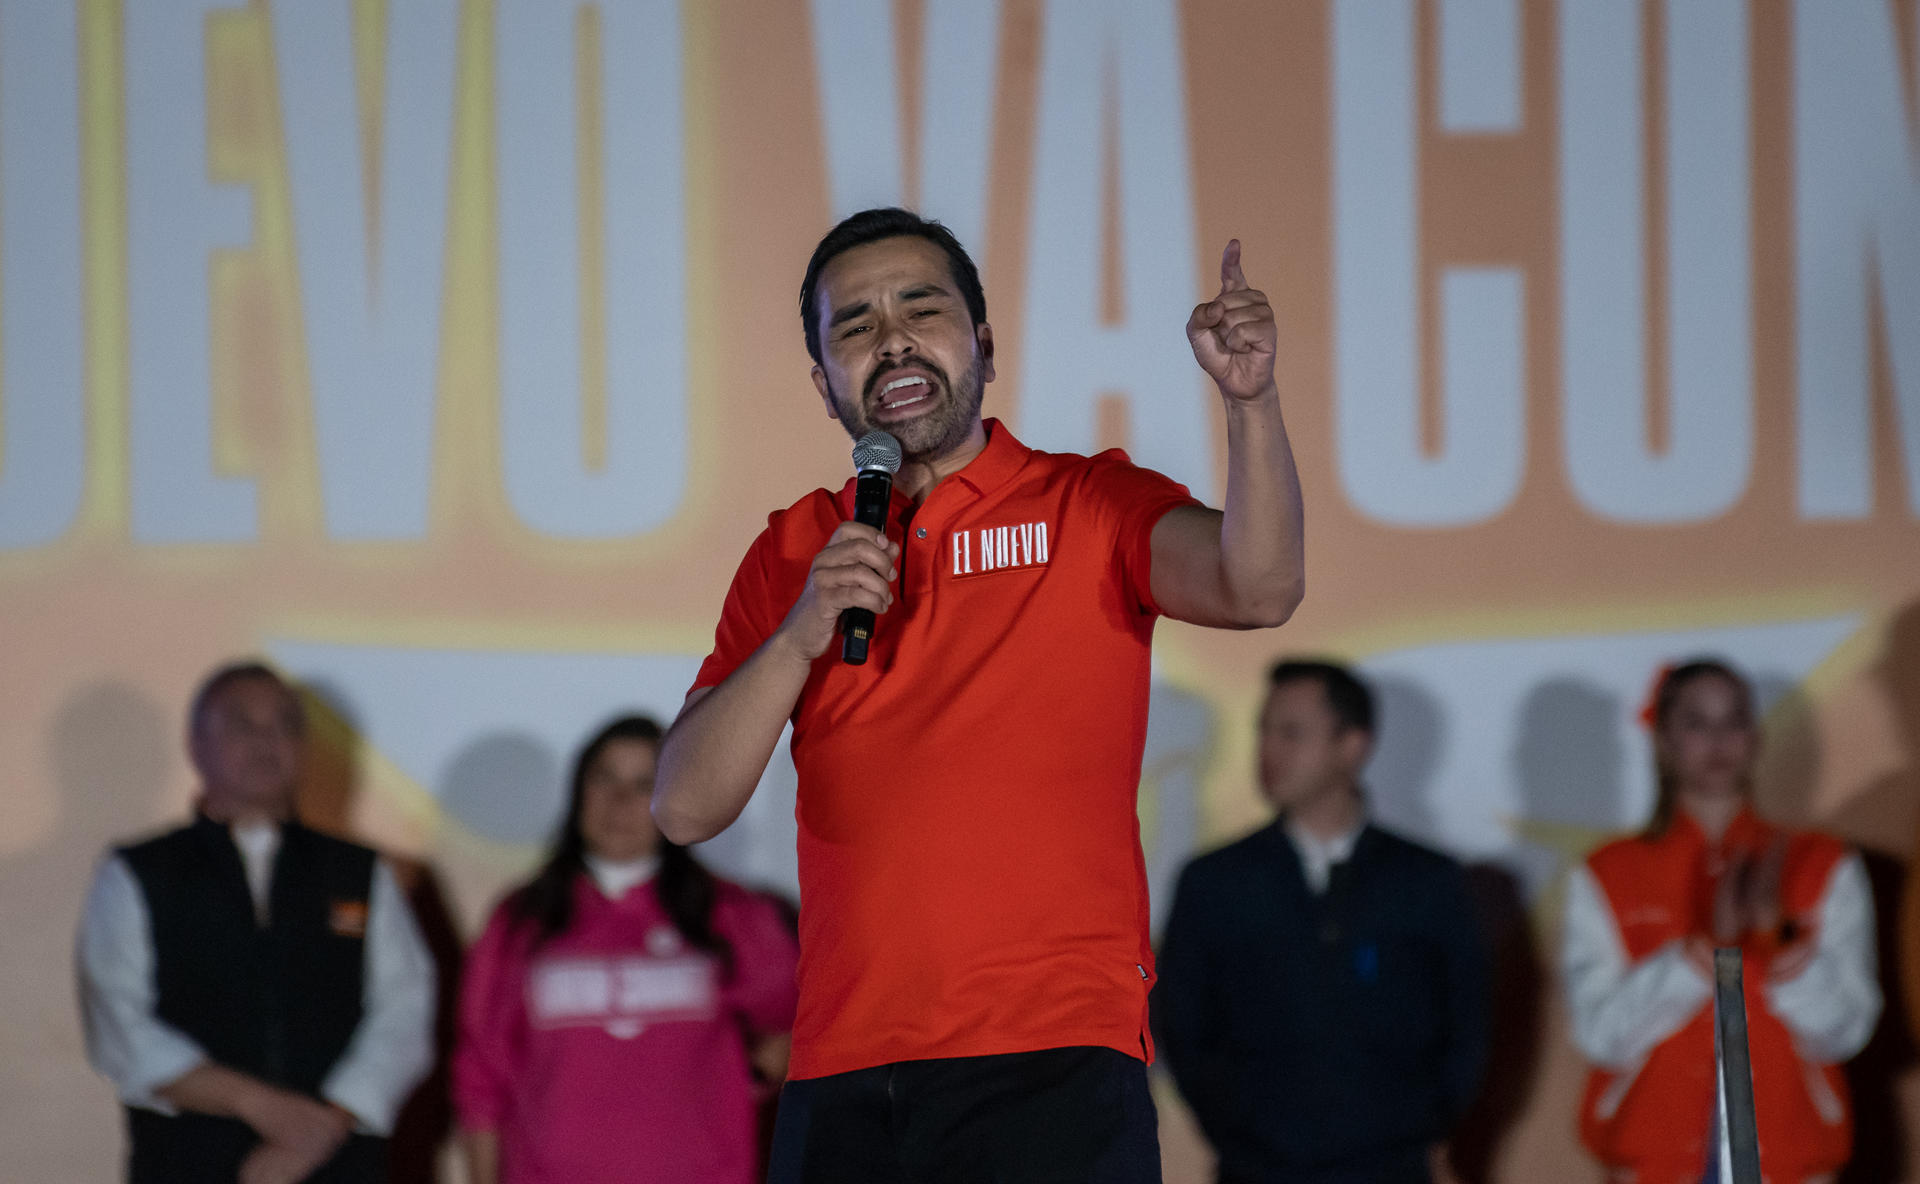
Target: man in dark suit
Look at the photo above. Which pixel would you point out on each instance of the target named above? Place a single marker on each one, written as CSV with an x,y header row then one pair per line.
x,y
1323,996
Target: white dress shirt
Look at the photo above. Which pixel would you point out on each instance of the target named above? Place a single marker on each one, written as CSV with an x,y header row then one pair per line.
x,y
388,1054
258,843
1622,1011
1318,855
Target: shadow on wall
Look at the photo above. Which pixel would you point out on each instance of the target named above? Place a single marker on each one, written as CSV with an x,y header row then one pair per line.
x,y
1789,763
507,787
1879,820
1570,780
111,750
1570,774
1173,766
1787,778
333,779
1514,1037
1412,728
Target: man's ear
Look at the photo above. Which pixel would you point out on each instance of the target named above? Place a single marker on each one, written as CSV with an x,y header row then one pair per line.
x,y
826,392
1356,745
983,333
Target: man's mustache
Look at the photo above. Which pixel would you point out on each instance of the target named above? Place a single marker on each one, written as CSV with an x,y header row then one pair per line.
x,y
880,378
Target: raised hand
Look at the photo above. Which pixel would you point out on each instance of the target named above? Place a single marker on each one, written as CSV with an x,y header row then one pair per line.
x,y
855,569
1234,335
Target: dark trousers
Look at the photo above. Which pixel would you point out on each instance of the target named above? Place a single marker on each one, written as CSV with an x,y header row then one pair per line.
x,y
1057,1116
201,1149
1406,1166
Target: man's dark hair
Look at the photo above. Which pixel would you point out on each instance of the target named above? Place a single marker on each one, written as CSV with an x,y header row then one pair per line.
x,y
869,226
1350,699
247,669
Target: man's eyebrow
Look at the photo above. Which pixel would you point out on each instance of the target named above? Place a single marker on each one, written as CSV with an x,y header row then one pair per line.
x,y
861,308
850,312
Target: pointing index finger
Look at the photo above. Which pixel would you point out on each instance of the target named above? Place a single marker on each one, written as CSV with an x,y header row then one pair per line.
x,y
1232,279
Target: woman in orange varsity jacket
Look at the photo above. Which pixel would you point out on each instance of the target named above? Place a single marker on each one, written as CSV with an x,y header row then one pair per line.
x,y
1643,916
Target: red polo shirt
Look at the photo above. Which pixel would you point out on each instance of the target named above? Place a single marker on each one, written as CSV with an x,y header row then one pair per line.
x,y
970,871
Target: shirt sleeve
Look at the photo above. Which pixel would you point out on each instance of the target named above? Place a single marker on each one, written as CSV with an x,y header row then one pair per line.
x,y
392,1048
747,618
763,990
1621,1010
1832,1005
1133,500
491,1011
125,1040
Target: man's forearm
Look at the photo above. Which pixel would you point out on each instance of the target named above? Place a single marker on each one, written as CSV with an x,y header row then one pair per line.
x,y
297,1133
214,1089
1262,532
714,754
273,1112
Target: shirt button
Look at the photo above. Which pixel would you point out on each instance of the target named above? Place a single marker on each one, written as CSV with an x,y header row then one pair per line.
x,y
920,532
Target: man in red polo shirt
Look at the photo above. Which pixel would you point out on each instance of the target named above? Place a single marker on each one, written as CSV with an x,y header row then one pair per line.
x,y
974,958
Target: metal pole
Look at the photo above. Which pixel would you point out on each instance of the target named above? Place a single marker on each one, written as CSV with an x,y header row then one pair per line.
x,y
1736,1131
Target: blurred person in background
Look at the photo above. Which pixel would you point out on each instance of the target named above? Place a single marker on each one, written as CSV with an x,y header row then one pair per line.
x,y
258,992
625,1011
1643,916
1324,988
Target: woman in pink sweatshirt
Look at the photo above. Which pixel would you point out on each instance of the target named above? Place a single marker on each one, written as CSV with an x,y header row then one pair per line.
x,y
616,1011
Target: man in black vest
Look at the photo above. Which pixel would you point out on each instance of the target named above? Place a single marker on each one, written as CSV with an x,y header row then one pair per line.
x,y
1323,995
258,992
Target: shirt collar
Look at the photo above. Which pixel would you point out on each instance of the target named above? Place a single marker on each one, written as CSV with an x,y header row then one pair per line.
x,y
258,839
1318,857
998,461
1312,848
616,879
993,467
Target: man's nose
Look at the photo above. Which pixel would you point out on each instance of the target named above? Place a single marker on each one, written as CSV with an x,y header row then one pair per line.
x,y
895,341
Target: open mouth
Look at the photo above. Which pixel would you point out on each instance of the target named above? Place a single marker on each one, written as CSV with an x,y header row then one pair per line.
x,y
909,390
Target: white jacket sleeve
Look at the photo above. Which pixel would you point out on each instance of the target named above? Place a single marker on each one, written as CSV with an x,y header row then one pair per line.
x,y
392,1049
126,1041
1621,1011
1832,1005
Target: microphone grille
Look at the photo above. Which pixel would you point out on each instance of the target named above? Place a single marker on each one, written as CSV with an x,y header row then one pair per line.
x,y
876,450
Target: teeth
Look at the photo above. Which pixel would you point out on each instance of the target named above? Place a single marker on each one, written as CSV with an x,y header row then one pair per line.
x,y
897,383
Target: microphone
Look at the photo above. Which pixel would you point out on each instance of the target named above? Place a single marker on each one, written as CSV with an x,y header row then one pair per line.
x,y
876,458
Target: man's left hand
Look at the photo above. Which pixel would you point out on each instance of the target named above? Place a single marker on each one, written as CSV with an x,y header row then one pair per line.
x,y
277,1163
293,1159
1234,335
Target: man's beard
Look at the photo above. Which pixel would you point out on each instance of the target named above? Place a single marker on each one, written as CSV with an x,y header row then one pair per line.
x,y
932,435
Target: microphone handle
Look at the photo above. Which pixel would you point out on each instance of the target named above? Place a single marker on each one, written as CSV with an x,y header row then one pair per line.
x,y
871,495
